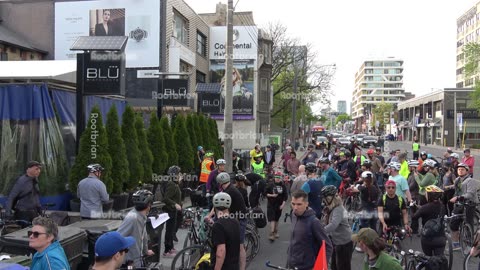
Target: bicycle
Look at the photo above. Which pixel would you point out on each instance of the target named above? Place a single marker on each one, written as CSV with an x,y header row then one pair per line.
x,y
355,229
466,230
269,265
392,237
471,262
188,257
419,260
198,229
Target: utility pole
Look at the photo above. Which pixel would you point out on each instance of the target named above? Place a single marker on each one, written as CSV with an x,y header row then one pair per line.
x,y
293,130
228,116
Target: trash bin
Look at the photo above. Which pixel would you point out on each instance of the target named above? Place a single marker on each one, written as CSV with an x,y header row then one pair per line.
x,y
71,239
94,228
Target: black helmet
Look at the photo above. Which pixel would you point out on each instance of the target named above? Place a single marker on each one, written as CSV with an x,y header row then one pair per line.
x,y
240,176
329,190
95,168
324,160
142,198
310,167
367,163
423,153
348,154
174,170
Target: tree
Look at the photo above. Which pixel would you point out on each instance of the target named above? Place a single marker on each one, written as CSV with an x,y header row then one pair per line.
x,y
215,139
472,62
168,136
342,118
130,138
202,123
117,151
192,135
156,141
93,148
146,157
198,131
290,56
182,144
379,113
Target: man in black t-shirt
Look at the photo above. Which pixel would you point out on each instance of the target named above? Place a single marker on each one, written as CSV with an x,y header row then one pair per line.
x,y
237,210
258,188
225,235
391,209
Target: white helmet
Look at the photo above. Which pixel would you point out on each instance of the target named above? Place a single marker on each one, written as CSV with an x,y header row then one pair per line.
x,y
222,199
395,165
429,163
221,162
366,174
455,155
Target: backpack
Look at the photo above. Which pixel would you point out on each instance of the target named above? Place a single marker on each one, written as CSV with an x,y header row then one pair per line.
x,y
259,217
434,227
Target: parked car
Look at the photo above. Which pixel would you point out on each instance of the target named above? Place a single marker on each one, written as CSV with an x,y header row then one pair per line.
x,y
369,140
321,142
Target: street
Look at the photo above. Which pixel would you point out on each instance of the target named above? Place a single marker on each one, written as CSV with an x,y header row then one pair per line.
x,y
276,251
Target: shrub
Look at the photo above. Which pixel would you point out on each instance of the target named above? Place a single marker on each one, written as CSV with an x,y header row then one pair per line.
x,y
192,135
169,143
117,151
146,157
183,145
129,135
156,141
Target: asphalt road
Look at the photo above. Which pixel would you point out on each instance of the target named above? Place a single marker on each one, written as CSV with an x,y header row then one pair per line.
x,y
276,251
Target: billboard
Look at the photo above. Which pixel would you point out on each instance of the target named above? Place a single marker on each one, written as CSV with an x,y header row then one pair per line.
x,y
137,19
245,39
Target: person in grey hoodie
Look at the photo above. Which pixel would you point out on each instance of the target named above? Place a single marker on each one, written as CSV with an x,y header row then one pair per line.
x,y
307,235
336,226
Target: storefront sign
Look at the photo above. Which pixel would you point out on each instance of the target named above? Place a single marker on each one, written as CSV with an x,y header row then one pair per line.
x,y
104,73
175,93
466,113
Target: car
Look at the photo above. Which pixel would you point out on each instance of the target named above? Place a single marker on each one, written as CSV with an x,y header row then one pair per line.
x,y
335,137
343,141
359,138
369,140
321,142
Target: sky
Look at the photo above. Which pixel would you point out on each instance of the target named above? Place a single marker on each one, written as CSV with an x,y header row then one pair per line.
x,y
348,32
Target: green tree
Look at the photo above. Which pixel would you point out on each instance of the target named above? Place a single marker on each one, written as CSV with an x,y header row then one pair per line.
x,y
379,113
198,131
156,142
146,154
130,138
202,123
93,149
472,62
117,151
342,118
168,136
183,144
215,139
192,135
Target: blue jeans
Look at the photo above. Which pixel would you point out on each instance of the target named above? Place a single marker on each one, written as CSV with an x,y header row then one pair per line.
x,y
379,178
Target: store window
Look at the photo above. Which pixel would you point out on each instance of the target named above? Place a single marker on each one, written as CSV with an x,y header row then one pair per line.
x,y
201,44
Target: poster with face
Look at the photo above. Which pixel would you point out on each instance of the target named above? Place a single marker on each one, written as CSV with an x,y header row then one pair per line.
x,y
242,84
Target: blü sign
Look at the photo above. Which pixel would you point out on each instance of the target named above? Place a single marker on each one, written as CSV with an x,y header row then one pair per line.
x,y
104,73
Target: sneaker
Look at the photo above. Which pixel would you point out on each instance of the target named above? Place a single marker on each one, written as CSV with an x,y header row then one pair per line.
x,y
358,249
173,250
276,235
168,255
272,236
456,246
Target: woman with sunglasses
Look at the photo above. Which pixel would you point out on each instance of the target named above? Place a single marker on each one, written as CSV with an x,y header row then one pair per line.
x,y
43,238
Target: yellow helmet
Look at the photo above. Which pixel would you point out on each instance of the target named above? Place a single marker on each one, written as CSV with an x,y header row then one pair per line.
x,y
433,189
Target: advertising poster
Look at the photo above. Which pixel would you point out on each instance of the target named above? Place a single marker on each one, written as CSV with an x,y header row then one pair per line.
x,y
245,39
139,20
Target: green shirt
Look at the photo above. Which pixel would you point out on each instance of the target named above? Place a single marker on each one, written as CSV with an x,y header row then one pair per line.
x,y
415,147
384,262
424,181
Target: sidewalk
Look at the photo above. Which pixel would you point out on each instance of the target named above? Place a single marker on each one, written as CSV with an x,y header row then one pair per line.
x,y
444,148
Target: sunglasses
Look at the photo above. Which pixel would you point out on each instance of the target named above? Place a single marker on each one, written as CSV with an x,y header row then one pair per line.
x,y
390,187
35,234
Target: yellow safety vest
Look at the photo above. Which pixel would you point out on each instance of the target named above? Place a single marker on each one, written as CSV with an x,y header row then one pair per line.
x,y
205,170
416,147
258,168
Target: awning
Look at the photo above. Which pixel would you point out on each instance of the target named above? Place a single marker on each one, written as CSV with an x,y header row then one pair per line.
x,y
431,124
58,70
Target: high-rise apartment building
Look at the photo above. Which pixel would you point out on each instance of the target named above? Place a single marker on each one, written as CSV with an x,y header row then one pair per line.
x,y
342,106
468,30
376,81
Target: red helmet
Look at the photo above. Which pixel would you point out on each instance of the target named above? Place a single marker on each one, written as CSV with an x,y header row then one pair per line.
x,y
370,151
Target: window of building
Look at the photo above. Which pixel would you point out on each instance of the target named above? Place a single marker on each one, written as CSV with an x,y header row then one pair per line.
x,y
201,77
180,28
378,71
377,64
368,71
267,53
184,67
3,56
201,44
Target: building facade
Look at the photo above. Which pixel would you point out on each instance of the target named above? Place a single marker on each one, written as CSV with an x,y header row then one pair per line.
x,y
442,117
342,106
377,81
468,30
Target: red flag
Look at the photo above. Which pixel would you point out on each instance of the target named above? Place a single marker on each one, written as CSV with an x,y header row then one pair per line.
x,y
321,261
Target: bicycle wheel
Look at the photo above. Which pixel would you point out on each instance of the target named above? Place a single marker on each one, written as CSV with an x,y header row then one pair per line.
x,y
466,238
411,265
187,258
470,263
252,245
449,252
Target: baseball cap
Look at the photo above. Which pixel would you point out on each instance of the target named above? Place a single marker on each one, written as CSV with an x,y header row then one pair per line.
x,y
112,242
33,163
391,183
466,150
366,235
